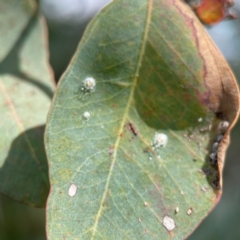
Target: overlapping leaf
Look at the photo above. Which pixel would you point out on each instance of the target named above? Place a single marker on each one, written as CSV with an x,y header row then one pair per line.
x,y
26,88
156,70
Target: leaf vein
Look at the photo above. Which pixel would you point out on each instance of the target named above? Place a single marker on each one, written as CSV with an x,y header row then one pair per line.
x,y
130,99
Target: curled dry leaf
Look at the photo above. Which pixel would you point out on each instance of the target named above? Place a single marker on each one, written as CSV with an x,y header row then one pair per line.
x,y
157,73
223,92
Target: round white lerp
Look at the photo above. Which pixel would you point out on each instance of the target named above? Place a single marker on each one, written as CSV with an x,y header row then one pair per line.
x,y
72,190
88,84
86,115
159,140
168,223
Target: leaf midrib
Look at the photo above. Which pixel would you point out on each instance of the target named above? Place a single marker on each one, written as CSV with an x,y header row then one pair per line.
x,y
130,99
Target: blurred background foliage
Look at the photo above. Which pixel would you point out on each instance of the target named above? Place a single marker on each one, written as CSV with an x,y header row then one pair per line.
x,y
66,22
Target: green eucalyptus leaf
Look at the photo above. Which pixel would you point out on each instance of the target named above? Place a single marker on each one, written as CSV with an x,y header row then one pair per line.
x,y
132,125
26,88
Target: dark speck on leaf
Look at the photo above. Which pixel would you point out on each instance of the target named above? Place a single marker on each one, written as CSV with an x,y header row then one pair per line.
x,y
132,128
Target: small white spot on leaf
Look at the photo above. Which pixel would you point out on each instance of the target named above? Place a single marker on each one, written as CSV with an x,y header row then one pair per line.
x,y
176,209
146,204
189,211
168,223
204,189
86,115
72,190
